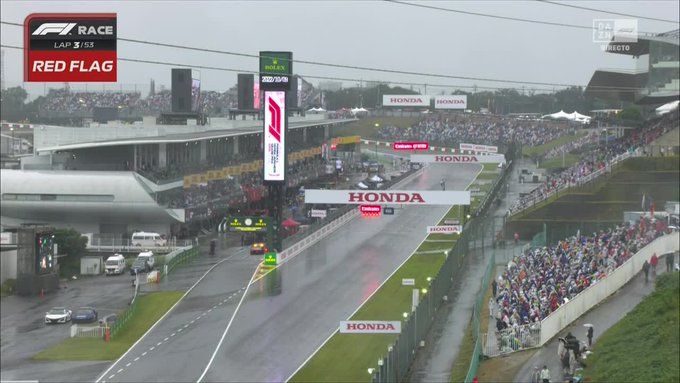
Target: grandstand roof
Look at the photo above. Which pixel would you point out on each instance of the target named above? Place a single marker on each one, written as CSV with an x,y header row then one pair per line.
x,y
77,196
641,46
57,138
608,84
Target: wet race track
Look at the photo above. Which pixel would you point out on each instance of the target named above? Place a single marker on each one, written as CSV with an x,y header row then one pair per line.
x,y
285,316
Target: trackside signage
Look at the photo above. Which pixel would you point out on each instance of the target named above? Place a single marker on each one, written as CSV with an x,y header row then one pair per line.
x,y
448,229
274,135
420,145
370,327
405,197
70,47
458,158
479,148
405,100
450,102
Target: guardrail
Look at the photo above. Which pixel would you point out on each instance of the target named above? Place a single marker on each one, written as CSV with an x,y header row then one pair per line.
x,y
178,257
127,314
112,245
533,201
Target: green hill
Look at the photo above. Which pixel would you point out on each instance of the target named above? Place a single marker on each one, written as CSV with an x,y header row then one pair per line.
x,y
645,345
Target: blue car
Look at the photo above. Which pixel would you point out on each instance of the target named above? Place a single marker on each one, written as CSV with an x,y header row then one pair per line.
x,y
85,315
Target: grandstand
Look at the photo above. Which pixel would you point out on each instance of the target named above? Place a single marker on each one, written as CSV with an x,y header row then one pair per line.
x,y
657,83
116,177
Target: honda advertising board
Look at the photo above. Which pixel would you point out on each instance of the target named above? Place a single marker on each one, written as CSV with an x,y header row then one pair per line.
x,y
448,229
370,327
274,136
479,148
406,100
458,158
450,102
405,197
70,47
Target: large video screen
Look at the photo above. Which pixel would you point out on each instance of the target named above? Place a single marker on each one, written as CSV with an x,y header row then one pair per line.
x,y
195,94
44,253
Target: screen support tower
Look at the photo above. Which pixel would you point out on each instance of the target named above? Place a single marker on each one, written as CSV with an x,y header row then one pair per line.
x,y
275,202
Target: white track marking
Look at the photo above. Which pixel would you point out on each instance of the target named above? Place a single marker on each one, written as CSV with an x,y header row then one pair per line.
x,y
224,334
160,319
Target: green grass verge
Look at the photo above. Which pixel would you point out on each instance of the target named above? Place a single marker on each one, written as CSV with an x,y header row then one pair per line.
x,y
461,364
443,246
569,159
487,175
541,149
366,128
347,357
150,308
645,345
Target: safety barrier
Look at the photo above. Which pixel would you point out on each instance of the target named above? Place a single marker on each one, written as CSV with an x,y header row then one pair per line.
x,y
512,339
78,331
176,258
588,298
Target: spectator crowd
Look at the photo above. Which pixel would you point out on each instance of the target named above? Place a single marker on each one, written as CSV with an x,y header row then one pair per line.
x,y
540,280
598,159
447,130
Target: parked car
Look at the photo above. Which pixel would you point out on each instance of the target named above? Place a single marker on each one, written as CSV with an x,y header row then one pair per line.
x,y
58,315
139,266
115,264
85,315
148,257
258,248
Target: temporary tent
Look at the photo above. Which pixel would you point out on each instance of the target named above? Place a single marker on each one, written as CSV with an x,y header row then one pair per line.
x,y
376,178
356,111
362,185
561,115
666,108
576,116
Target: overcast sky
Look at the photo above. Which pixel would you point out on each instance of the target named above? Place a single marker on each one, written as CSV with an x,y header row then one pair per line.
x,y
364,33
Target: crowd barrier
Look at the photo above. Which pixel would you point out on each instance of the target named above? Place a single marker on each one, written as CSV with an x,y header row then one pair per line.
x,y
593,295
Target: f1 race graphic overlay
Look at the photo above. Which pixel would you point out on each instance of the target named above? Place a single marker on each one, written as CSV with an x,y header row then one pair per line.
x,y
75,47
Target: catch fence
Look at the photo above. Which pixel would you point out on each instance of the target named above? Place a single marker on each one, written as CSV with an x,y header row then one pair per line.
x,y
477,233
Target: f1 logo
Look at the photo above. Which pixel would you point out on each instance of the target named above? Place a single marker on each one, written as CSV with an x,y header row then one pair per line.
x,y
275,122
61,28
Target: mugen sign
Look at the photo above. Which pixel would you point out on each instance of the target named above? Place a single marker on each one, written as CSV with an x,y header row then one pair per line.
x,y
401,197
405,100
458,158
274,135
70,47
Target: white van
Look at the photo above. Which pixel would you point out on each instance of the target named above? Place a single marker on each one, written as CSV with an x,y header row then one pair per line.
x,y
144,239
115,264
148,257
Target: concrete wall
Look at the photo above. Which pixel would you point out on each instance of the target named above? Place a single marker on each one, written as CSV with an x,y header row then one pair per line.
x,y
8,264
593,295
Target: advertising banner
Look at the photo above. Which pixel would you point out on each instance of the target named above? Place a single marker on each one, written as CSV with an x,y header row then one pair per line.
x,y
370,327
274,136
450,102
318,213
405,197
479,148
458,158
275,71
411,146
448,229
406,100
70,47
